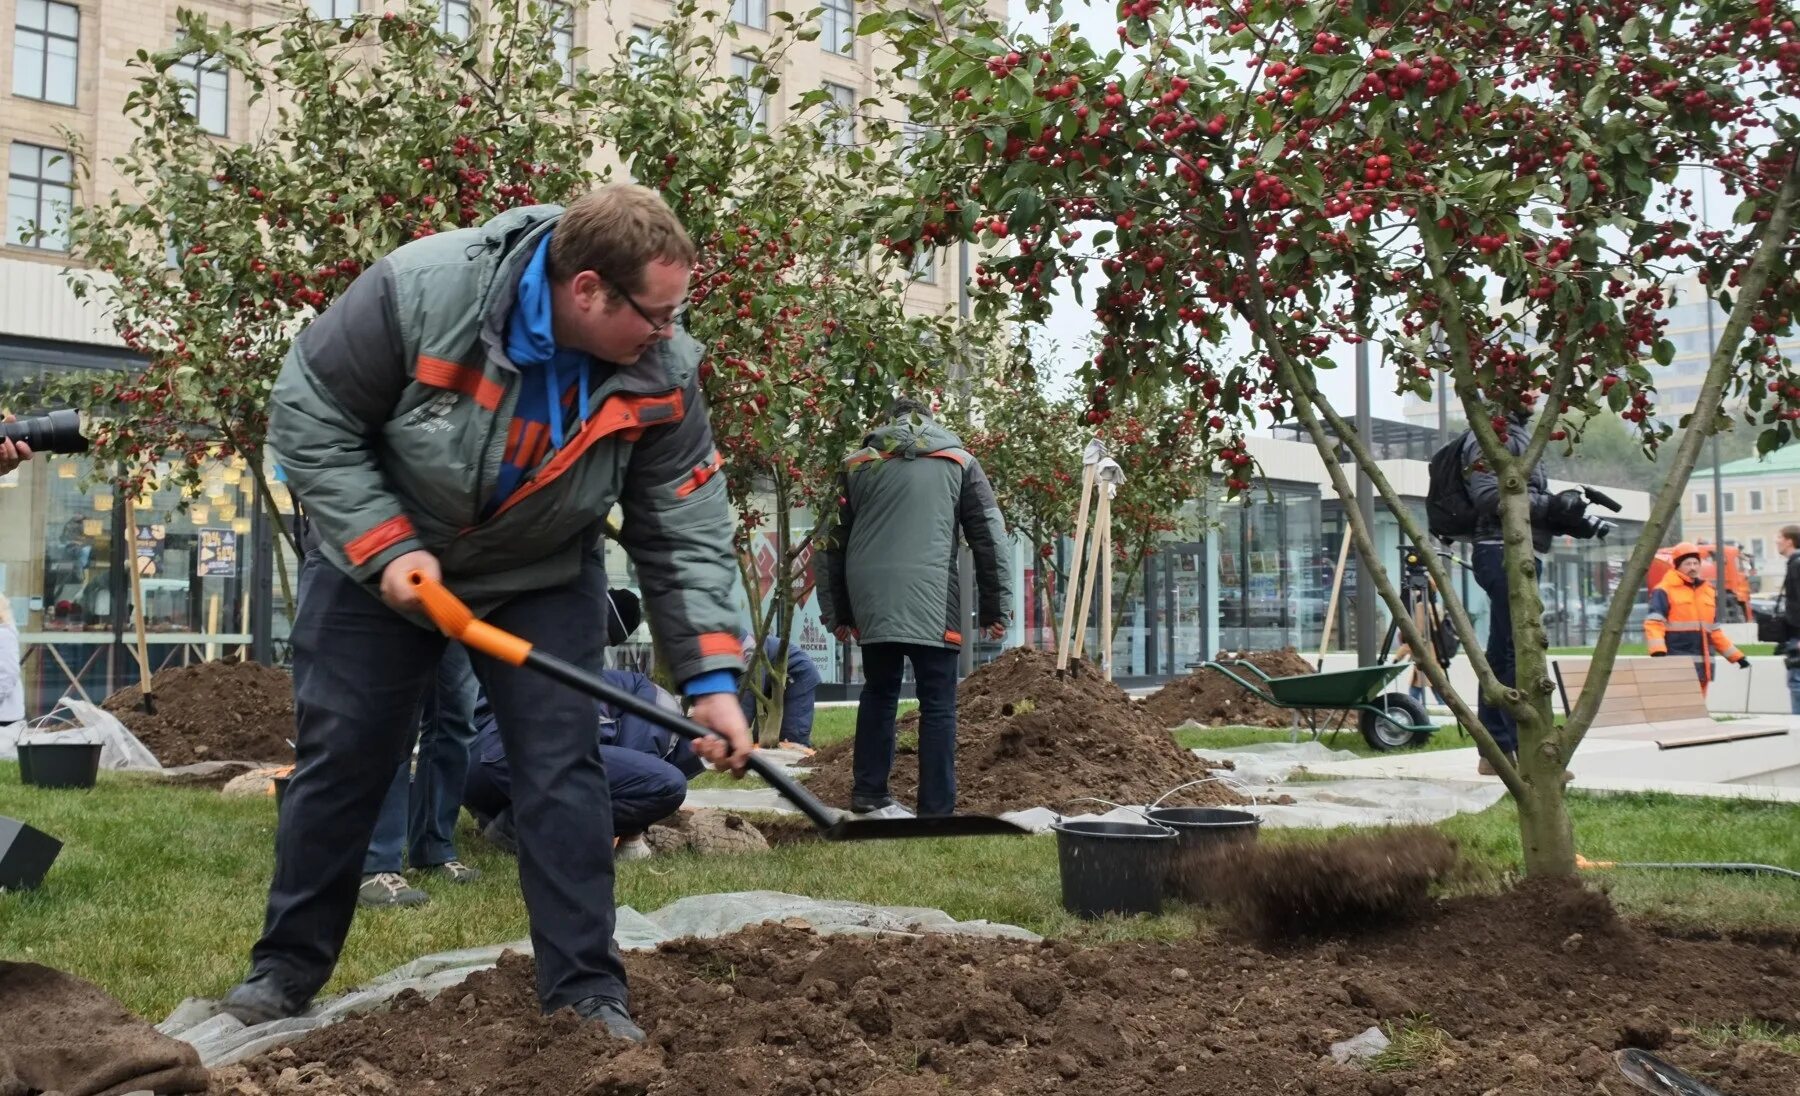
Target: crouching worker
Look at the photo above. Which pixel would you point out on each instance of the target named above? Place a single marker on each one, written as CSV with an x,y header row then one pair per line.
x,y
647,770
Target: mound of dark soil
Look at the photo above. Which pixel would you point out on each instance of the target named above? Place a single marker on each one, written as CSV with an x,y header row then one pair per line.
x,y
1312,888
212,711
1209,697
1526,994
1028,738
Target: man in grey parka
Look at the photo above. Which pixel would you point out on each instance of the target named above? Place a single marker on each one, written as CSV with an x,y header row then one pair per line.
x,y
471,408
889,578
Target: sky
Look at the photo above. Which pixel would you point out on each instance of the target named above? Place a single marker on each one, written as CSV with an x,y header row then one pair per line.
x,y
1071,326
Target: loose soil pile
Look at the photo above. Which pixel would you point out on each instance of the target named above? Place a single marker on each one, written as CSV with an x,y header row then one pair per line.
x,y
1527,994
60,1034
1027,738
1210,698
1314,888
212,711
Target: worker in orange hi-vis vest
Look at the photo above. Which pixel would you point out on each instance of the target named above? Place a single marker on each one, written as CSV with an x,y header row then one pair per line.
x,y
1682,617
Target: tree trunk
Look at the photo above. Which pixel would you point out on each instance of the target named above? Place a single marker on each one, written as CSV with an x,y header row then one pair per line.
x,y
1546,834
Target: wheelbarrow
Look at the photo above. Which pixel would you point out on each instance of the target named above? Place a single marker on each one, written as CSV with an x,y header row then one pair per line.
x,y
454,619
1388,721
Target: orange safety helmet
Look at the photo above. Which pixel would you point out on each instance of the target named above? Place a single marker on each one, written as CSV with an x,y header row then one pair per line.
x,y
1682,551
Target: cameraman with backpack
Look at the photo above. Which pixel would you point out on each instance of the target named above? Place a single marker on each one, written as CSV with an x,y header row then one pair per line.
x,y
1476,517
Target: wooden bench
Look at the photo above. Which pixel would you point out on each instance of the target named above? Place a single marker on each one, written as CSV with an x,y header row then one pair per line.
x,y
1657,700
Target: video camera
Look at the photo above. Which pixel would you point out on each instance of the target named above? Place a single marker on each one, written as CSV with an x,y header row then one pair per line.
x,y
1566,514
56,432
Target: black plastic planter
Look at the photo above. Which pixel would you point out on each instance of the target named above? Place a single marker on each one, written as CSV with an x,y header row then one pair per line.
x,y
59,765
1112,867
26,854
1200,834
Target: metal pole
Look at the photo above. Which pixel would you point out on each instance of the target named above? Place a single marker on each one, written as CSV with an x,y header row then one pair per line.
x,y
965,660
1365,504
262,584
1718,499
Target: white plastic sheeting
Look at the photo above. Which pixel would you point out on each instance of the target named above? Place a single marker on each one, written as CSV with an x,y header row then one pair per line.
x,y
221,1039
76,722
1262,773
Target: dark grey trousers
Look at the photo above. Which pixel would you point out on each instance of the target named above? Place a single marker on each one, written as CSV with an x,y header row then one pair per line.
x,y
359,672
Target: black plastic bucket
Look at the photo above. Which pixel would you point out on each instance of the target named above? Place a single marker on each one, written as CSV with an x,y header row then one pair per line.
x,y
1112,867
59,765
1200,834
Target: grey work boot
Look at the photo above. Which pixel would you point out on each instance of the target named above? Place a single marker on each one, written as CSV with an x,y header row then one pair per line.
x,y
389,888
605,1010
261,999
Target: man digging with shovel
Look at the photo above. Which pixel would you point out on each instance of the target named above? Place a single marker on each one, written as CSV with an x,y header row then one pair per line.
x,y
469,411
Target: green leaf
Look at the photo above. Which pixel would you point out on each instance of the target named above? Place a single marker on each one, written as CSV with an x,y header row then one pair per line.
x,y
1651,104
1595,100
1664,352
1745,212
1543,217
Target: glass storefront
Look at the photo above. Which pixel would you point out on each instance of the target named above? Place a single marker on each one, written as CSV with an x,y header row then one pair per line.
x,y
65,554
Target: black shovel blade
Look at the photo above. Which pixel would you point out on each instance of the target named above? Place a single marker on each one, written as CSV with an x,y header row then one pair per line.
x,y
949,825
1652,1074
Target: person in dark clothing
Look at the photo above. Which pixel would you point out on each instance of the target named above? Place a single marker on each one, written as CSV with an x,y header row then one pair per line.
x,y
890,580
1787,542
1551,514
647,769
798,693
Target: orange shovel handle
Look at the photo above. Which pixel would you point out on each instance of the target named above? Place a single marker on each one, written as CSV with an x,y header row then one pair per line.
x,y
454,619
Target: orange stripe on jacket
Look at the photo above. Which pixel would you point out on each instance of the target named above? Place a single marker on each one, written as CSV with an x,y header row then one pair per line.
x,y
721,643
457,377
378,540
623,414
702,473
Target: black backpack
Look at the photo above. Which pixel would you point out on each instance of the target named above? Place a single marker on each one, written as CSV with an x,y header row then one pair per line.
x,y
1449,511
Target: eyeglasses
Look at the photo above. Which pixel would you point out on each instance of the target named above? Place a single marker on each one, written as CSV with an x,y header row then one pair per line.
x,y
679,316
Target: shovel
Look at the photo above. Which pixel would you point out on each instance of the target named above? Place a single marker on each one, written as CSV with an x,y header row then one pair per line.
x,y
1585,864
455,620
1652,1074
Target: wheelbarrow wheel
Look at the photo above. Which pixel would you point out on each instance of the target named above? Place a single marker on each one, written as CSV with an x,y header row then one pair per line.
x,y
1391,727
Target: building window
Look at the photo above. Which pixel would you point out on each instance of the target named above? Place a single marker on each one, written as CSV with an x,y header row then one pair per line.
x,y
756,100
1781,500
840,116
646,46
912,136
924,266
1756,502
1756,548
1700,502
1728,502
837,27
335,9
207,95
453,18
563,41
750,13
46,49
39,193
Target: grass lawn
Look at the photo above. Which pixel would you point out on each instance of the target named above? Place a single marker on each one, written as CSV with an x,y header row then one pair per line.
x,y
159,892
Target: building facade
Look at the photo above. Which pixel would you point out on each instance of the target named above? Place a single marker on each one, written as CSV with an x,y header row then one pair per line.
x,y
1758,496
210,577
1256,573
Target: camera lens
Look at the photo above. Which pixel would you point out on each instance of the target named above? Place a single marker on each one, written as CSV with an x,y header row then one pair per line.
x,y
55,432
